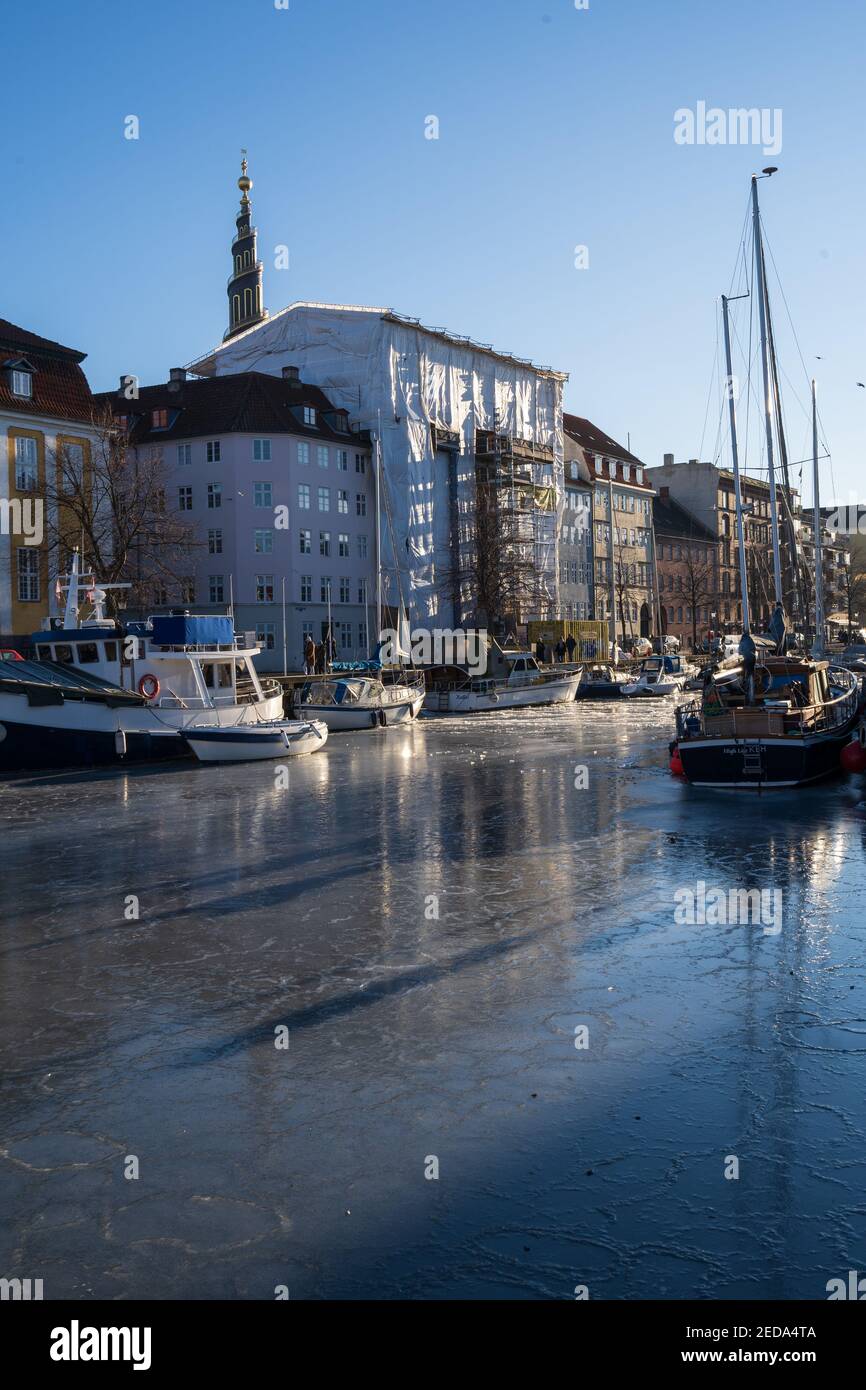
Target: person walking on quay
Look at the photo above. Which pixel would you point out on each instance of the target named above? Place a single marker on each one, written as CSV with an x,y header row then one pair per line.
x,y
539,651
309,656
320,658
560,651
570,646
330,651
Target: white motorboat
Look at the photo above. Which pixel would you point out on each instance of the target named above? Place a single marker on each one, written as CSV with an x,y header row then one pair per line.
x,y
516,681
278,738
359,702
99,692
659,675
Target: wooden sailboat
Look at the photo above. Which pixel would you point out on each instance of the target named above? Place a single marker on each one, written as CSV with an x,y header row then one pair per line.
x,y
772,720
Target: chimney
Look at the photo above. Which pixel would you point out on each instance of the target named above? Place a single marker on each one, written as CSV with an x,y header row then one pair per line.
x,y
291,373
693,461
176,378
669,460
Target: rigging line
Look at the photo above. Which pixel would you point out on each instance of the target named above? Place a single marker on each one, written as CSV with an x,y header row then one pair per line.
x,y
710,388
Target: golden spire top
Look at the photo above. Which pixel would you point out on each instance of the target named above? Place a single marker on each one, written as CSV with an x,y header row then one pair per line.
x,y
244,182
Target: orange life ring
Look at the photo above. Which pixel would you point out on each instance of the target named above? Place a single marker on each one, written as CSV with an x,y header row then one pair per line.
x,y
148,686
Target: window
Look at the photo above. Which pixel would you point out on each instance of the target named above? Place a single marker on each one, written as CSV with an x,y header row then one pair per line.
x,y
325,588
159,419
212,451
362,547
344,636
362,636
303,453
72,465
306,588
184,499
360,463
324,542
184,454
264,588
307,630
361,504
306,542
263,542
25,464
309,415
324,499
215,586
187,590
304,497
214,542
343,460
22,384
322,455
214,495
343,545
266,636
28,575
262,494
261,451
345,590
342,501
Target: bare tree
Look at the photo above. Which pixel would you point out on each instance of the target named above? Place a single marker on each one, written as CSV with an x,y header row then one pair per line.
x,y
114,507
500,566
854,586
698,583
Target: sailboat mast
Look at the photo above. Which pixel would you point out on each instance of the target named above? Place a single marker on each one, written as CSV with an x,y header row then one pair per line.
x,y
818,644
768,395
379,531
732,407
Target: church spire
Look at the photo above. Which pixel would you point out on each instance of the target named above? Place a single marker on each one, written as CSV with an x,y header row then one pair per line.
x,y
245,285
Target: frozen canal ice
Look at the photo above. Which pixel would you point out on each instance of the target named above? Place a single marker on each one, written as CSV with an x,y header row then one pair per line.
x,y
415,1037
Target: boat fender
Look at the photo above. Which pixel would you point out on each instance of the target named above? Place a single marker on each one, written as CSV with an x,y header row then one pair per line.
x,y
382,719
853,756
374,717
120,743
149,686
676,763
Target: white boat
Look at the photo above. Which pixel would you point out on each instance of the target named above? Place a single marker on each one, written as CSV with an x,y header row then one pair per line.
x,y
659,675
517,681
279,738
359,702
99,692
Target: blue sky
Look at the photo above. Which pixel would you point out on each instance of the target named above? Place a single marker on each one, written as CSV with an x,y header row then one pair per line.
x,y
556,130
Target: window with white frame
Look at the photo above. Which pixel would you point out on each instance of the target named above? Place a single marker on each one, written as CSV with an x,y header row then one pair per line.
x,y
303,452
324,588
304,496
184,499
343,460
342,501
324,542
308,627
345,589
28,574
343,545
266,635
360,463
362,636
26,464
264,588
184,454
362,591
324,499
262,495
322,455
72,464
309,415
212,451
263,542
306,588
214,542
362,547
261,451
22,383
344,636
305,539
214,495
216,588
361,504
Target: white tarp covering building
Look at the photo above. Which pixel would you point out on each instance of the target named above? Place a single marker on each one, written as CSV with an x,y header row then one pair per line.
x,y
424,393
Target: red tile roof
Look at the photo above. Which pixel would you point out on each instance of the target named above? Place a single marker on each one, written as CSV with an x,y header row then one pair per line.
x,y
60,388
595,442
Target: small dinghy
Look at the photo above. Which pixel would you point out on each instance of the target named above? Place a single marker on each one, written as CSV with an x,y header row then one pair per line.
x,y
239,743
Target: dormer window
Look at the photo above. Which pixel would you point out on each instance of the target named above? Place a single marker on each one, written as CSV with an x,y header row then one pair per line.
x,y
309,415
159,419
22,383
